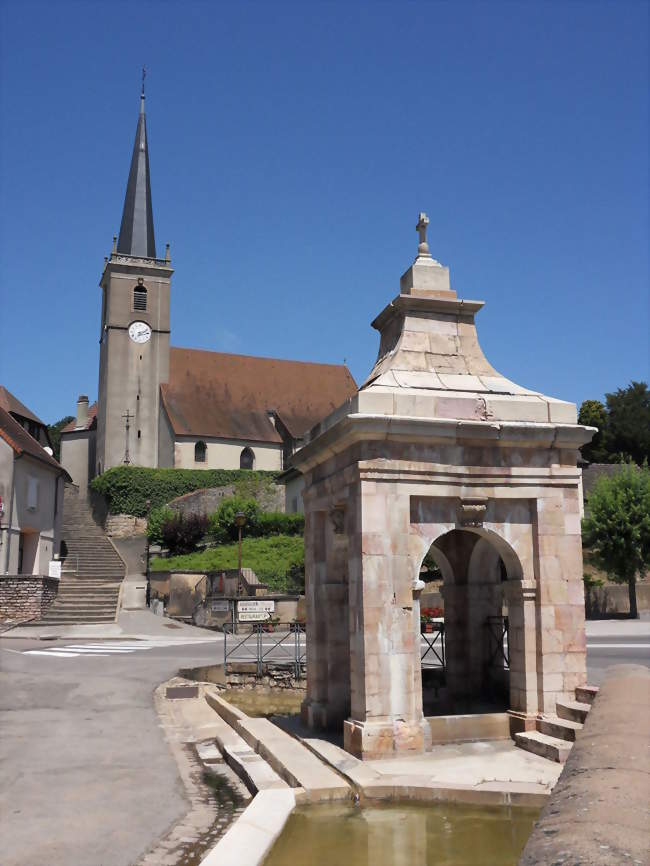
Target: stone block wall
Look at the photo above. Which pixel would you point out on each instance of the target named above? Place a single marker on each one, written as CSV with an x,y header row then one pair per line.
x,y
125,525
25,596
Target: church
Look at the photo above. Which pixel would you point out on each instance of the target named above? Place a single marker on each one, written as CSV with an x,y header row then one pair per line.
x,y
163,406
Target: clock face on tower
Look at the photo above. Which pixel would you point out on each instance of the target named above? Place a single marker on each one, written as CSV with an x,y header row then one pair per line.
x,y
140,332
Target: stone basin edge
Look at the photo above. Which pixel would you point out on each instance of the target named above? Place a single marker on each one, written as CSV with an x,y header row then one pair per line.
x,y
251,837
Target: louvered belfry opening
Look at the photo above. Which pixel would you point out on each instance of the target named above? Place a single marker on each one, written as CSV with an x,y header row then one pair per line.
x,y
139,298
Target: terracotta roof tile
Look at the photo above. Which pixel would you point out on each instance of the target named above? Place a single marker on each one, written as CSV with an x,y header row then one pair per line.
x,y
12,404
229,396
22,443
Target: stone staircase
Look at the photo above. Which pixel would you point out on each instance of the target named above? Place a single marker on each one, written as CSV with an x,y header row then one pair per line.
x,y
92,571
556,734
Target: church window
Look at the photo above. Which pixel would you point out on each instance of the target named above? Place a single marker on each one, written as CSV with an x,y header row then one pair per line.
x,y
200,450
247,459
139,298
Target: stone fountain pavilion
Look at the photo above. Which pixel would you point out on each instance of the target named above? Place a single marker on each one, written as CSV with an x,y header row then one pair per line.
x,y
438,451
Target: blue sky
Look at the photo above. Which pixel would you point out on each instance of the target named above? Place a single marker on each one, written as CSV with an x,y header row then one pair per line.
x,y
292,146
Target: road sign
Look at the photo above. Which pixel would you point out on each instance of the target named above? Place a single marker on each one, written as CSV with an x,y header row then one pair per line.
x,y
255,606
254,616
219,605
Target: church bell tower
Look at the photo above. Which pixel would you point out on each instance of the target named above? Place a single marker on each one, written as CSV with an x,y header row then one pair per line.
x,y
134,338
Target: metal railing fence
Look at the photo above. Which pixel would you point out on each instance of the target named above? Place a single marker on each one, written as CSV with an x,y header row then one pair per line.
x,y
284,647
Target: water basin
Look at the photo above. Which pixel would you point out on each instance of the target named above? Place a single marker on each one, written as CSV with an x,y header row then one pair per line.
x,y
403,834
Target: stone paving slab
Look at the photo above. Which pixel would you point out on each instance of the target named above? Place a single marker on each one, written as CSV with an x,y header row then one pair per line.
x,y
289,758
487,771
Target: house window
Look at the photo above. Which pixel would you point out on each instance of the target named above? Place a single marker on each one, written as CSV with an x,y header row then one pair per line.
x,y
139,298
246,459
200,450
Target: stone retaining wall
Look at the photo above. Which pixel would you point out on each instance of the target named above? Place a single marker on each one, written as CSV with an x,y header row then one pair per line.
x,y
602,601
125,525
597,813
25,596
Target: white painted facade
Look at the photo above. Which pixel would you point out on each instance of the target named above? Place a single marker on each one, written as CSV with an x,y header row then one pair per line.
x,y
226,454
32,496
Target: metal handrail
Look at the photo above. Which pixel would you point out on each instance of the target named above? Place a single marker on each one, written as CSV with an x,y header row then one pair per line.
x,y
498,639
294,654
435,641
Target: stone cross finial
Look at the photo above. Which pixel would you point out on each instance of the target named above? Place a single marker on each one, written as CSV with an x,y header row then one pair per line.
x,y
423,246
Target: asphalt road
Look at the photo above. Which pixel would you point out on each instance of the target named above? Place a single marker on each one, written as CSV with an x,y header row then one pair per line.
x,y
604,651
88,779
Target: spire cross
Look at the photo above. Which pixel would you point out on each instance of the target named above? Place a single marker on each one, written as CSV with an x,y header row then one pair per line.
x,y
144,75
423,246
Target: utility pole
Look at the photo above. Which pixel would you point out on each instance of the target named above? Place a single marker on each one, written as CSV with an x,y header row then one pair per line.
x,y
127,419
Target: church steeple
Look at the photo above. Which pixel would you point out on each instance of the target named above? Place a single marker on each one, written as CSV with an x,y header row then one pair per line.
x,y
136,230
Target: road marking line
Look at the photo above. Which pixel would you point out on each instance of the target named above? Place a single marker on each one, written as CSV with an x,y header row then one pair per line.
x,y
50,653
619,645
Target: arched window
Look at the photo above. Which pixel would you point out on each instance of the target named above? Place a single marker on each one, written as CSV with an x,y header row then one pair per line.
x,y
200,450
139,297
246,459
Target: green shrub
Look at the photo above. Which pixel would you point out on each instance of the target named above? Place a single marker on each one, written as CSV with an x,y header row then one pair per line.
x,y
222,523
157,516
126,489
279,523
259,524
278,560
182,532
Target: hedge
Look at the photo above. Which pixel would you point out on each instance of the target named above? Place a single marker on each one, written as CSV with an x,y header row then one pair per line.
x,y
258,524
126,489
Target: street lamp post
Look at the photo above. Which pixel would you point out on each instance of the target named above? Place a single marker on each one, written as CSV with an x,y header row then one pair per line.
x,y
148,595
240,521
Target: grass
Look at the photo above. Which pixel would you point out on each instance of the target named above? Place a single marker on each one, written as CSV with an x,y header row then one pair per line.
x,y
270,558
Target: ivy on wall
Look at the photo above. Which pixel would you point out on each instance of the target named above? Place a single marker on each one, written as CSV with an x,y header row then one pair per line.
x,y
126,489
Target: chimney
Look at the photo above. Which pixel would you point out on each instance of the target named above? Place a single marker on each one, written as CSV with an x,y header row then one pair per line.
x,y
82,412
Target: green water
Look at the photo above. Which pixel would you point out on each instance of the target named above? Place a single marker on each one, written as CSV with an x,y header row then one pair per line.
x,y
443,834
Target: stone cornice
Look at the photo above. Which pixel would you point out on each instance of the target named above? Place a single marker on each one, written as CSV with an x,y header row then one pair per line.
x,y
122,264
354,428
404,304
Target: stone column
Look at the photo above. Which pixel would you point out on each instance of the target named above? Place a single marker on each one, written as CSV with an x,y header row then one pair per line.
x,y
562,653
457,638
314,708
522,647
386,695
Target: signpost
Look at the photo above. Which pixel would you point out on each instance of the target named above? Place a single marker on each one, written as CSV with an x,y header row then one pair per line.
x,y
259,610
257,605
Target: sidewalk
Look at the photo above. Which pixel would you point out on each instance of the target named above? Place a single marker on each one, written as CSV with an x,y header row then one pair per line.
x,y
131,625
617,628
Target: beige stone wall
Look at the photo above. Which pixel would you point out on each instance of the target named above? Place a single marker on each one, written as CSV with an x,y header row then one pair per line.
x,y
78,457
397,501
125,525
130,374
225,454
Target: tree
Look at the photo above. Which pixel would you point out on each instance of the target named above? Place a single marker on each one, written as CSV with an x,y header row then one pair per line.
x,y
594,414
54,432
617,528
628,422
